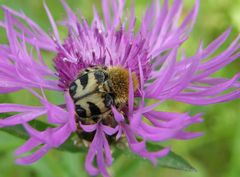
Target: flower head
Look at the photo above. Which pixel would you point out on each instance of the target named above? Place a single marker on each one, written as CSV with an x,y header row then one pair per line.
x,y
132,65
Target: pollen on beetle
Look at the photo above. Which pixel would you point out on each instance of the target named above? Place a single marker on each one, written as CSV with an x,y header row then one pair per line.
x,y
119,78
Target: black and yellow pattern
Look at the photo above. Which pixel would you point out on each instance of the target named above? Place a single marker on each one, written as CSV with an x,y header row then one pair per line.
x,y
91,93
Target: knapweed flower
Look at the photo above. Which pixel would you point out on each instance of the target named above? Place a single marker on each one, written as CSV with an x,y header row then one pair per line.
x,y
106,70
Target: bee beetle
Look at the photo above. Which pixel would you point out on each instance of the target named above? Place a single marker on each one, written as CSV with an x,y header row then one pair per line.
x,y
98,88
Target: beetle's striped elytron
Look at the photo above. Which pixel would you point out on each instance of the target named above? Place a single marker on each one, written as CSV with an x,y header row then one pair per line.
x,y
98,88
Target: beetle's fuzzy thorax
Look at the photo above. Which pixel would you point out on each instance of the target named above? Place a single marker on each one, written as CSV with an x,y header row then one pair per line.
x,y
119,78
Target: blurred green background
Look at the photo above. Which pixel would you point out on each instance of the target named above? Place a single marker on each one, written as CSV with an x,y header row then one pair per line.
x,y
216,154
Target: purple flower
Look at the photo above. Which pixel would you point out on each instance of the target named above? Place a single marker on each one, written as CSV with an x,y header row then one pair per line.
x,y
149,56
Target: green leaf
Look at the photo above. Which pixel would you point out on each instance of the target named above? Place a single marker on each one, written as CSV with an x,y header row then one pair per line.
x,y
17,131
172,160
20,132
